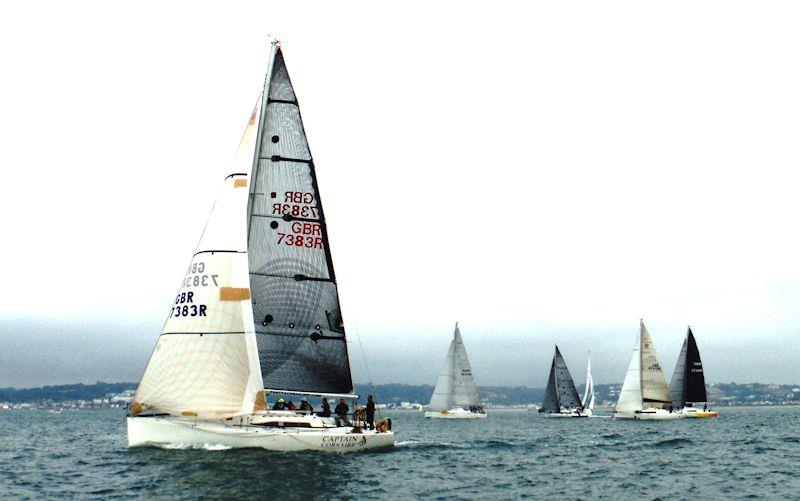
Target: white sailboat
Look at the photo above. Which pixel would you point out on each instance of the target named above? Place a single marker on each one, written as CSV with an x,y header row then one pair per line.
x,y
644,393
455,395
588,392
258,310
560,397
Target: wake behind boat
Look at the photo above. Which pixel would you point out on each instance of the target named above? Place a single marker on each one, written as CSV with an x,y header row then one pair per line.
x,y
455,395
560,397
644,394
688,385
258,310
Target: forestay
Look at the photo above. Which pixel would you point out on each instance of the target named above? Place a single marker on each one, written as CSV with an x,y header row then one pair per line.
x,y
295,305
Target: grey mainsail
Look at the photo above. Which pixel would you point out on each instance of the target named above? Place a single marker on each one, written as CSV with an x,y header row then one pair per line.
x,y
560,393
688,382
298,322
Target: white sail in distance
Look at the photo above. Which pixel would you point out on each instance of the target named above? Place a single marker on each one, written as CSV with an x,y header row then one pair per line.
x,y
644,385
588,392
456,385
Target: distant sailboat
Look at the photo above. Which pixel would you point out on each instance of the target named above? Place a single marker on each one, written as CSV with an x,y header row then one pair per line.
x,y
560,397
644,393
258,310
588,392
688,385
455,395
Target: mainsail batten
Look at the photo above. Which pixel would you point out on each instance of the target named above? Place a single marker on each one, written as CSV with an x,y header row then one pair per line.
x,y
295,305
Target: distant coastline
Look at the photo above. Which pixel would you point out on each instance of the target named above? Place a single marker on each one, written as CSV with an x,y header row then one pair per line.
x,y
112,395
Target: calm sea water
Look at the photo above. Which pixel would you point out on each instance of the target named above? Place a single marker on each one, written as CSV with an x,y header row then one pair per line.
x,y
751,452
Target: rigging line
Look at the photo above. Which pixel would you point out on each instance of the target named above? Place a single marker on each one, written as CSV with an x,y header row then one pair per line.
x,y
366,366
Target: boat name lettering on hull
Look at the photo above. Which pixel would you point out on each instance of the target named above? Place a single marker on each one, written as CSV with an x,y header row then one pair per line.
x,y
343,442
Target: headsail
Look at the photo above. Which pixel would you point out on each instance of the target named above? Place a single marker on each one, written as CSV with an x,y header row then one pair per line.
x,y
688,382
560,393
205,362
455,386
588,392
295,303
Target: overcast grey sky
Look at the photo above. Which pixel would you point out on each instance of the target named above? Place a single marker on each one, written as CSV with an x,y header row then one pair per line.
x,y
544,173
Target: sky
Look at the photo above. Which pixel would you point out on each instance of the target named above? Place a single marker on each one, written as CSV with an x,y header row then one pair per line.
x,y
542,173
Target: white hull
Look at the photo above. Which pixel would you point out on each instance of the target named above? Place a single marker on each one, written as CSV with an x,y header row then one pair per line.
x,y
454,414
692,412
171,432
649,415
567,414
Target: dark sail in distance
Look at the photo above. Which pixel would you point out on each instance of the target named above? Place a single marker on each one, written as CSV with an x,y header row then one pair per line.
x,y
560,393
688,383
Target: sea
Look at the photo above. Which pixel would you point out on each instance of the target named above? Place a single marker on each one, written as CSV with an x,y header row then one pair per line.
x,y
749,452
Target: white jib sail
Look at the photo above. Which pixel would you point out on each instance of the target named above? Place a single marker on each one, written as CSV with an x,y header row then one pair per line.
x,y
630,396
205,363
588,392
455,386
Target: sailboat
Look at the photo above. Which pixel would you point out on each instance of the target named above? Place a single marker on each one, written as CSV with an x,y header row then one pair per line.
x,y
644,393
258,310
455,395
588,392
688,385
560,397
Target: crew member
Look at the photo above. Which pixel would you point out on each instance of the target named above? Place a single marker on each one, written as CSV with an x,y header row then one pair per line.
x,y
305,406
341,413
326,408
370,412
279,405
